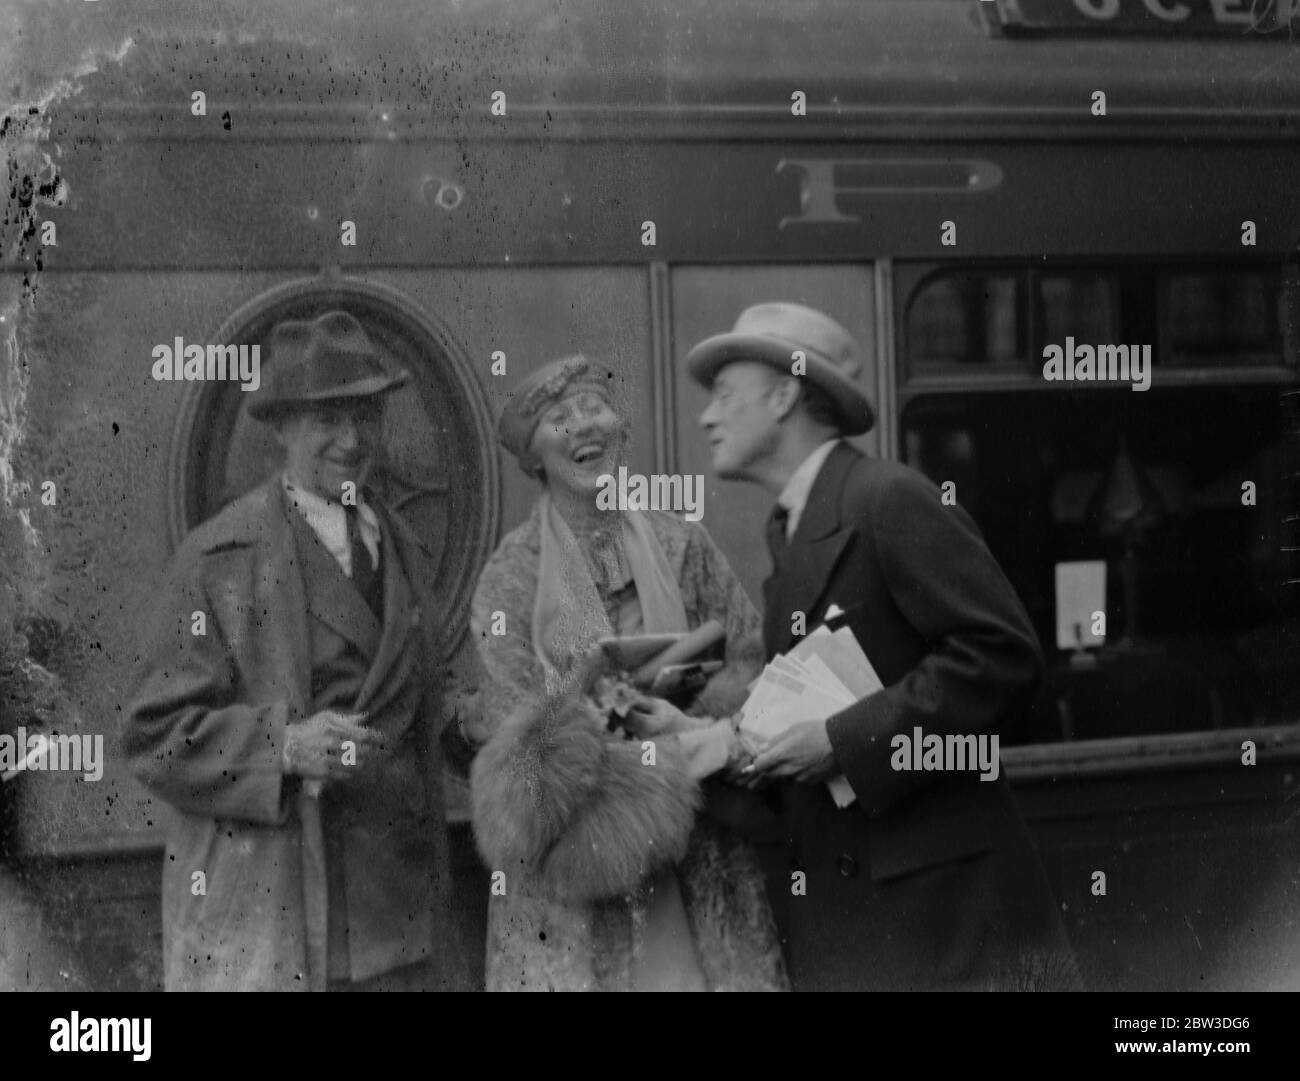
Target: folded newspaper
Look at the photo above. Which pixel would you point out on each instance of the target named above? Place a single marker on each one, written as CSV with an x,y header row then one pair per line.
x,y
822,675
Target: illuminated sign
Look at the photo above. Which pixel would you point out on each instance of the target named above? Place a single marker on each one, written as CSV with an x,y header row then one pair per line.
x,y
1249,18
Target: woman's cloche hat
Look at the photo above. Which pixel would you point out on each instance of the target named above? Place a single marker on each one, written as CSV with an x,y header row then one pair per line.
x,y
538,392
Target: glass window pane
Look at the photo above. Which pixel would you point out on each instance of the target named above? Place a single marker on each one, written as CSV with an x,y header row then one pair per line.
x,y
1224,319
968,318
1081,306
1151,484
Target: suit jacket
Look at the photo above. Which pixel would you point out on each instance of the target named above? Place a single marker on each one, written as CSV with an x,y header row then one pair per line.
x,y
930,879
206,730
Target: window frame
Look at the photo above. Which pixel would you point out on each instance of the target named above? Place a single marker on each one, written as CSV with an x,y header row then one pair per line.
x,y
1141,752
911,277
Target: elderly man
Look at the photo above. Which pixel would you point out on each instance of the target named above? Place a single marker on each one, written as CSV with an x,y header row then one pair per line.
x,y
286,709
929,880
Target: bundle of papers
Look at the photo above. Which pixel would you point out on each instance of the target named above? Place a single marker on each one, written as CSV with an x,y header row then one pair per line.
x,y
822,675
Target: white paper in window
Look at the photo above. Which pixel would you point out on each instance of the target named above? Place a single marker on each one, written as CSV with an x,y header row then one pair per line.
x,y
1080,595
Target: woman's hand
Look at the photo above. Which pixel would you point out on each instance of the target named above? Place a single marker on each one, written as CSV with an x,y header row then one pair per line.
x,y
656,717
713,748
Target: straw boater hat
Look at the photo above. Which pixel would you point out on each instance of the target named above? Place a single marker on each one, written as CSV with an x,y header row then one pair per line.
x,y
771,333
328,359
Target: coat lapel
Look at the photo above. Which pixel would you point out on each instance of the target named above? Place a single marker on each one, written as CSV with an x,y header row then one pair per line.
x,y
275,587
813,553
401,613
331,596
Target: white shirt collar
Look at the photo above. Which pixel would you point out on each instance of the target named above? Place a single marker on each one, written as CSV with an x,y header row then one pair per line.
x,y
329,522
794,496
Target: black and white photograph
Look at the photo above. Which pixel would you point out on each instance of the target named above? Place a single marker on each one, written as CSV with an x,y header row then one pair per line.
x,y
651,495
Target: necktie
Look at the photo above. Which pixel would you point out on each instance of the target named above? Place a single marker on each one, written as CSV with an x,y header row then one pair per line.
x,y
365,576
776,541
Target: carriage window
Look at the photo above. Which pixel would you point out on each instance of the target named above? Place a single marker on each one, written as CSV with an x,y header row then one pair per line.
x,y
1170,511
969,318
990,320
1085,306
993,322
1199,627
1224,319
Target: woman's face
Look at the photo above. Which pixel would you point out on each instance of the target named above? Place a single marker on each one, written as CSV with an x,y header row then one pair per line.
x,y
578,439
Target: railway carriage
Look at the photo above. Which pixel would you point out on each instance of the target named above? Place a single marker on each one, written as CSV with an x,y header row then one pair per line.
x,y
965,184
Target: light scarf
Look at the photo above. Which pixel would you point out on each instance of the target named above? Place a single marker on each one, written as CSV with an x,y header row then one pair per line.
x,y
568,619
568,614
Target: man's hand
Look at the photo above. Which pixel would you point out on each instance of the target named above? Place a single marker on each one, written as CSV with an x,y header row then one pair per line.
x,y
803,753
315,748
739,770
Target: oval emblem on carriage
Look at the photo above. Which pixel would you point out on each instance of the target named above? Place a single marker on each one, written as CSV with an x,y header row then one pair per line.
x,y
438,467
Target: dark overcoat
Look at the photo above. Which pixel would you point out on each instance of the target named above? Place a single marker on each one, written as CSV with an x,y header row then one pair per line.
x,y
205,733
930,880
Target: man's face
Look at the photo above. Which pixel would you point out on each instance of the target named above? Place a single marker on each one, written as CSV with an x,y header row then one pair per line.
x,y
578,439
741,420
331,444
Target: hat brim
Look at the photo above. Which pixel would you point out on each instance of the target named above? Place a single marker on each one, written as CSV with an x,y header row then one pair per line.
x,y
361,388
711,355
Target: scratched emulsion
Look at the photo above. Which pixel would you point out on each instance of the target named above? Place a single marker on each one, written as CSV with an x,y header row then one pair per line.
x,y
75,572
73,408
33,694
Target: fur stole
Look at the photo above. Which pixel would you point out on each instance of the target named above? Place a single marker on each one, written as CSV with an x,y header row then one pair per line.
x,y
569,805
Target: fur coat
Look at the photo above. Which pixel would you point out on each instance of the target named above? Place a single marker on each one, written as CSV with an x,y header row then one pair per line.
x,y
577,826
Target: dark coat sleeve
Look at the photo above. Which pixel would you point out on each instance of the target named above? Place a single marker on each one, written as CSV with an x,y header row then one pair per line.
x,y
187,736
983,662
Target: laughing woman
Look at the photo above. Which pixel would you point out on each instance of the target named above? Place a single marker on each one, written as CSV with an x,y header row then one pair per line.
x,y
612,880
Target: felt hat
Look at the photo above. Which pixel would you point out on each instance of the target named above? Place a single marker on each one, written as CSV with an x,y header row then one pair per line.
x,y
327,359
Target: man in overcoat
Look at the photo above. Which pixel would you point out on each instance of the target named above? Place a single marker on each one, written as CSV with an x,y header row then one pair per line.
x,y
929,880
287,707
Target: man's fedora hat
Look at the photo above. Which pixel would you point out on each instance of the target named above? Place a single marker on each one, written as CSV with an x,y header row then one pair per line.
x,y
327,359
771,334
